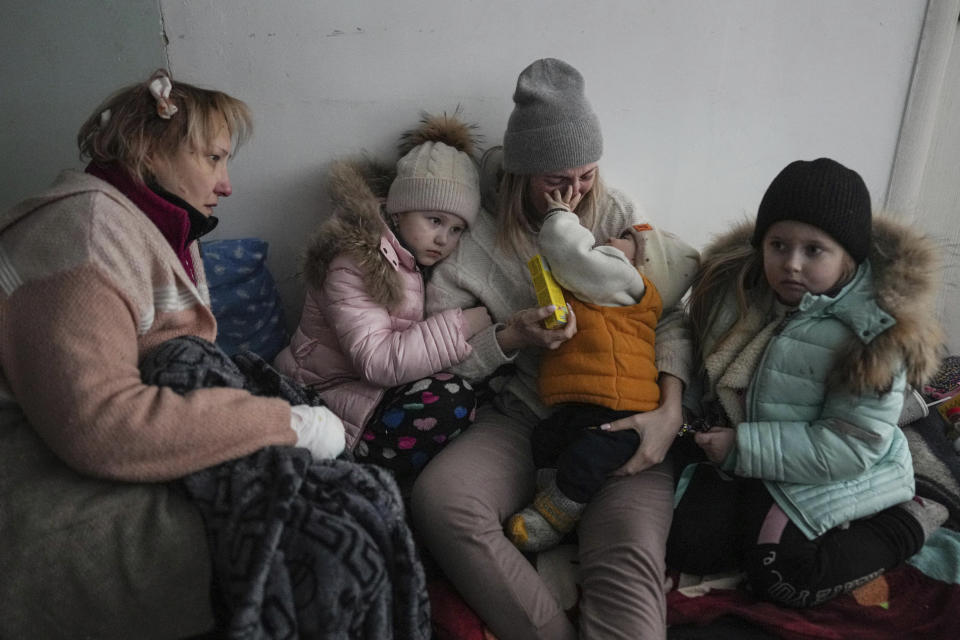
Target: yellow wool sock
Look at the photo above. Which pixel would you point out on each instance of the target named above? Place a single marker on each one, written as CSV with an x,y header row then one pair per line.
x,y
544,523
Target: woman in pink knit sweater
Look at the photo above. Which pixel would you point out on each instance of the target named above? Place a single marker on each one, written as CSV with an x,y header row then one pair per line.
x,y
94,273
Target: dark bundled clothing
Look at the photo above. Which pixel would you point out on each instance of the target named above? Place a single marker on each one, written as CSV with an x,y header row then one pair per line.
x,y
299,549
936,466
584,456
782,564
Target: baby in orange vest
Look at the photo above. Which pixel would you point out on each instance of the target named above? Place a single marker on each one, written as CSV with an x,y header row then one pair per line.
x,y
606,371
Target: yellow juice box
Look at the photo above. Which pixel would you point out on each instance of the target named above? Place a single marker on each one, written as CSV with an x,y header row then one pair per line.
x,y
548,291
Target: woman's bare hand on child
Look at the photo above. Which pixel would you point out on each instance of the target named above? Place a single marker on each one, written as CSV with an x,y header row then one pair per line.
x,y
475,320
657,430
568,200
525,329
716,443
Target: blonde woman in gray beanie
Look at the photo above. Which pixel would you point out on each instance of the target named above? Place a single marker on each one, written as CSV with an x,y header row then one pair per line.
x,y
363,340
461,500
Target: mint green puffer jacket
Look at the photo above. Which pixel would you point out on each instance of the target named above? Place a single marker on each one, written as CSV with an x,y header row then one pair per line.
x,y
818,402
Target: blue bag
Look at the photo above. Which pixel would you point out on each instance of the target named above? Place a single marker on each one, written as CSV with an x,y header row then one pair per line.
x,y
244,297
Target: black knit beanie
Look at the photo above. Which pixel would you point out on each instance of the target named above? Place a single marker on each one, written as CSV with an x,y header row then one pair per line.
x,y
822,193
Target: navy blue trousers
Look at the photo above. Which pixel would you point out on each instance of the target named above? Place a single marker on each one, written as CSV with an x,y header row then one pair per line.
x,y
584,456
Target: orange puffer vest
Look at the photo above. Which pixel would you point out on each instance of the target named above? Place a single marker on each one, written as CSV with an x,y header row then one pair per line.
x,y
610,361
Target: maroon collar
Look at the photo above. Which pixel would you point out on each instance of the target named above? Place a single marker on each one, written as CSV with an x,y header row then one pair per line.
x,y
172,221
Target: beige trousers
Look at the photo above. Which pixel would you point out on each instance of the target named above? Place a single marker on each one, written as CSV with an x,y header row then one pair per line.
x,y
464,495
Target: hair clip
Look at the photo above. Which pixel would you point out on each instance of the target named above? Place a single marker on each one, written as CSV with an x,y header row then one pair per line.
x,y
160,87
105,117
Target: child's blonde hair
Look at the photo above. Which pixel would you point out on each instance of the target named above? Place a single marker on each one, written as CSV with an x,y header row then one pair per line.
x,y
126,128
737,267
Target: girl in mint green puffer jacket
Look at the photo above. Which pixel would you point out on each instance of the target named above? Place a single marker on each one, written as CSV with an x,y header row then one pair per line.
x,y
810,325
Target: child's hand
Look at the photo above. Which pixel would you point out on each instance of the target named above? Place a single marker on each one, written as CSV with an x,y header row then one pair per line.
x,y
475,319
568,200
716,443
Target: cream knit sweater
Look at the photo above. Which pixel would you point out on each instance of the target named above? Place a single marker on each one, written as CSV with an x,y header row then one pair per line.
x,y
481,273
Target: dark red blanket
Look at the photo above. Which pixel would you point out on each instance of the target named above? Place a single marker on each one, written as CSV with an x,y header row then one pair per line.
x,y
904,603
919,600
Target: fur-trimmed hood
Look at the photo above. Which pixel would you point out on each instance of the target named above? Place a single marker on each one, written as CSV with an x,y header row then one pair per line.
x,y
906,272
356,226
360,187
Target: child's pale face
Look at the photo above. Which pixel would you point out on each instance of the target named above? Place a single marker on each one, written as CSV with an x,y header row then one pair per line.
x,y
430,235
799,257
626,245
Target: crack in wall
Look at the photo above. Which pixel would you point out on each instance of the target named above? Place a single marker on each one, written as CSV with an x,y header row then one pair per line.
x,y
165,39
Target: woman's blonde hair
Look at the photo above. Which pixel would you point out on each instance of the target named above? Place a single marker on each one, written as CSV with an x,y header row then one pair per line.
x,y
518,219
126,129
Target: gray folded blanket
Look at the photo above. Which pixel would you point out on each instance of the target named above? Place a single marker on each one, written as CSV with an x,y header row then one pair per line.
x,y
300,549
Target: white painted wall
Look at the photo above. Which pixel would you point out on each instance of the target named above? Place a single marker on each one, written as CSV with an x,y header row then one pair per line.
x,y
923,183
939,206
60,59
702,102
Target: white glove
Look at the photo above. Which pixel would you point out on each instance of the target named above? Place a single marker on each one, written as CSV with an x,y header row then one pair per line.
x,y
318,430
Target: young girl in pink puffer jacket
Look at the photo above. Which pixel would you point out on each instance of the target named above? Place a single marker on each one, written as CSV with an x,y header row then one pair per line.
x,y
363,340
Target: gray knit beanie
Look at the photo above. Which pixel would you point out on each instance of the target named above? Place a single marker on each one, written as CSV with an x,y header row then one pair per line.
x,y
552,126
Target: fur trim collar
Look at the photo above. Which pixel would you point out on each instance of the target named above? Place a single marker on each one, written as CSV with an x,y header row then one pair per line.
x,y
356,226
906,272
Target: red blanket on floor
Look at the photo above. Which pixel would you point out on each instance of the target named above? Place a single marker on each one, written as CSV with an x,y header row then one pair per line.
x,y
905,603
919,600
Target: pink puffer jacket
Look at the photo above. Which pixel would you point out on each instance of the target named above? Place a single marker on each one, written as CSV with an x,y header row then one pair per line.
x,y
363,329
